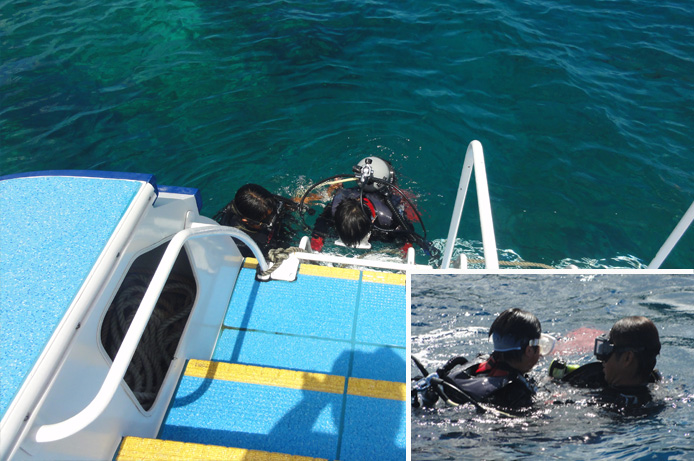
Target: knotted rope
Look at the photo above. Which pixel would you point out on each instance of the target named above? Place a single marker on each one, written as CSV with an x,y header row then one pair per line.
x,y
275,259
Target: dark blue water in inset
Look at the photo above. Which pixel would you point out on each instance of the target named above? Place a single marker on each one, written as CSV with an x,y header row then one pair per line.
x,y
584,108
451,316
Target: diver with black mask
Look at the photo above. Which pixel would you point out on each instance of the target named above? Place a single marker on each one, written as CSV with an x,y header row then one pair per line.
x,y
376,209
261,214
621,378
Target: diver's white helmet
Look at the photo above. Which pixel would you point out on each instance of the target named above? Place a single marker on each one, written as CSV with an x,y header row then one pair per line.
x,y
381,170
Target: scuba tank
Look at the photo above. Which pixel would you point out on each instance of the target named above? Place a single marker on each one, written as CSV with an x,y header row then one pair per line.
x,y
374,174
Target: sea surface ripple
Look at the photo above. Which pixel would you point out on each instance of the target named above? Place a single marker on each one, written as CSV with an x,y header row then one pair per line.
x,y
584,109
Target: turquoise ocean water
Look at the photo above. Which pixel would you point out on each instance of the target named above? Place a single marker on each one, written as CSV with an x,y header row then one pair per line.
x,y
585,108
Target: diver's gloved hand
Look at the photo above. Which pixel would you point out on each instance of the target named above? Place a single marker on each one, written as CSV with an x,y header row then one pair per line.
x,y
424,383
433,377
405,247
432,250
317,243
427,247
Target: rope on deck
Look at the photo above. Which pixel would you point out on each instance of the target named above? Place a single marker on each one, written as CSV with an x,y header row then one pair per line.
x,y
514,263
159,341
275,259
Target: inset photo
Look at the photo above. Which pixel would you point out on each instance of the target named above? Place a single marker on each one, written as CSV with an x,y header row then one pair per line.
x,y
569,366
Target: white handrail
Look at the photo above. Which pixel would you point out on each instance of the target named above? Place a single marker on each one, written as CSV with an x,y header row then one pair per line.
x,y
353,261
474,157
70,426
674,237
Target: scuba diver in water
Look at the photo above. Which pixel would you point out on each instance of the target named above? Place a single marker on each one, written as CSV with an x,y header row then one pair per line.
x,y
261,215
501,379
368,212
626,367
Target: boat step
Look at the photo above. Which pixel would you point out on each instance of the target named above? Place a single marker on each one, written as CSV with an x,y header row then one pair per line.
x,y
299,370
138,449
371,306
287,411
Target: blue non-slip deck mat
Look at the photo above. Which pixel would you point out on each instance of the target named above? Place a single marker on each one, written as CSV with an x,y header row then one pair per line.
x,y
255,417
315,306
321,306
379,362
345,312
374,429
382,317
282,351
291,412
349,326
52,231
310,354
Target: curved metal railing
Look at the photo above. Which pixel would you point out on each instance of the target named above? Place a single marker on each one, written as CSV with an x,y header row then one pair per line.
x,y
74,424
674,237
474,157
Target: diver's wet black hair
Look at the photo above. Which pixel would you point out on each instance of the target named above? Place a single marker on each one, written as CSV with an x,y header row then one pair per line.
x,y
641,334
254,202
519,324
351,222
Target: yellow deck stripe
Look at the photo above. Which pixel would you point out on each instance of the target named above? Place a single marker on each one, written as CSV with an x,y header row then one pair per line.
x,y
340,273
377,389
266,376
250,263
292,379
384,277
137,449
326,271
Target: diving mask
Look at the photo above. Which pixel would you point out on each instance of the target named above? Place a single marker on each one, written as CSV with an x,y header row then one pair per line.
x,y
507,343
604,348
546,343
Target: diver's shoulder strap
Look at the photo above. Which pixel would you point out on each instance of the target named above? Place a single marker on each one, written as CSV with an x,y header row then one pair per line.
x,y
451,364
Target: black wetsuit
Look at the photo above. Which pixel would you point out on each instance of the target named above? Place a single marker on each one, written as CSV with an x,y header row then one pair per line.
x,y
488,381
384,218
266,239
592,376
